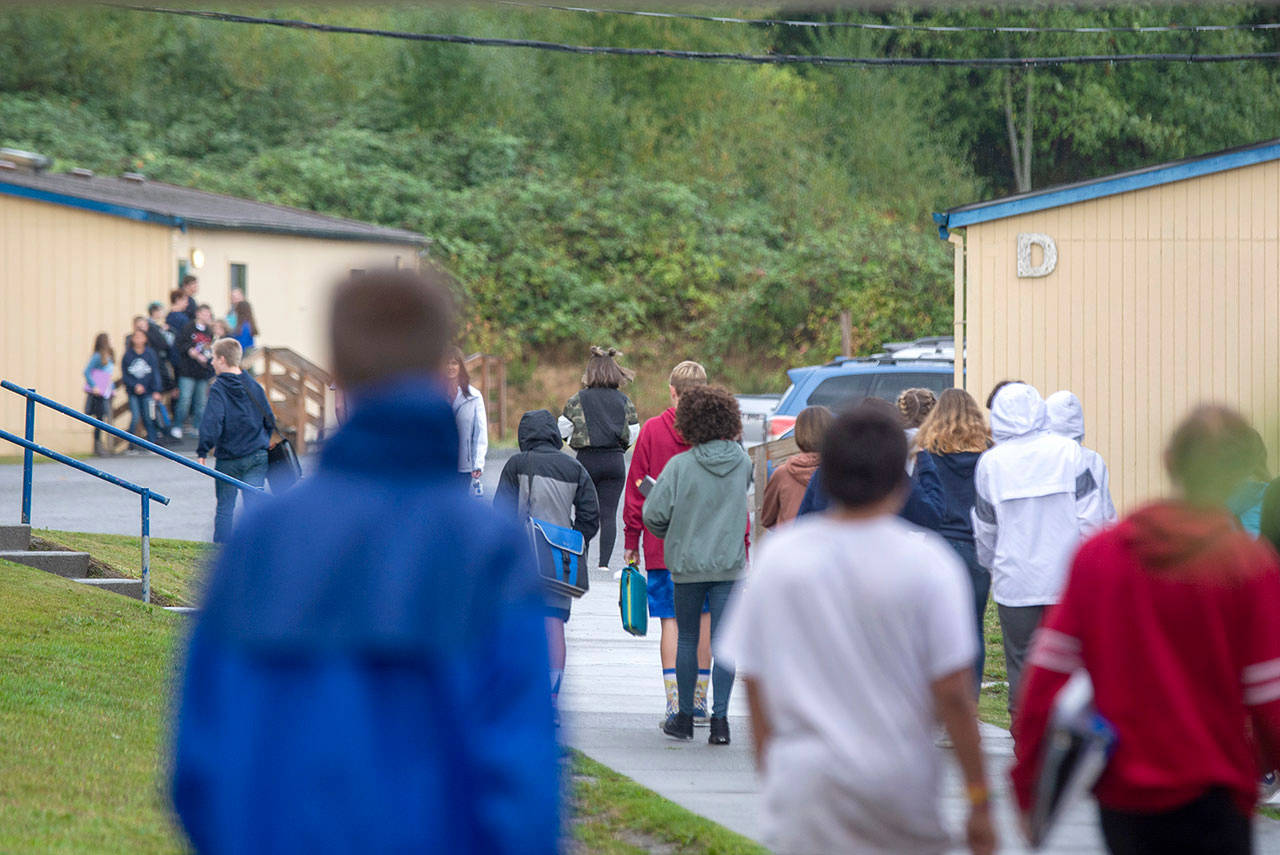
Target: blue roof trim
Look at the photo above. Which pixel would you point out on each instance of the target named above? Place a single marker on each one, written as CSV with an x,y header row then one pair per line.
x,y
90,205
1050,198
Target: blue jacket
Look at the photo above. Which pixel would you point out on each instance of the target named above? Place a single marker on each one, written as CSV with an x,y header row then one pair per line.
x,y
956,474
925,503
140,369
237,418
369,669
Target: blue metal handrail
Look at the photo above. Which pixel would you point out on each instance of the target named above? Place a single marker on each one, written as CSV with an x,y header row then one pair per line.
x,y
147,496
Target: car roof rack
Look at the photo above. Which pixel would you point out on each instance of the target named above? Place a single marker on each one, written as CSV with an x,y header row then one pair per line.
x,y
937,342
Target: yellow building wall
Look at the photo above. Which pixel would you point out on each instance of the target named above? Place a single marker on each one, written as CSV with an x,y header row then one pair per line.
x,y
288,279
1162,298
65,276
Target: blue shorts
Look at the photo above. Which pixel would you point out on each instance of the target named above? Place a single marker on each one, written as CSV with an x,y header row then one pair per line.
x,y
662,595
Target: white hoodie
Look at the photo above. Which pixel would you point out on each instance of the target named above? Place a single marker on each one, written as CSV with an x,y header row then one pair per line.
x,y
1066,418
1036,500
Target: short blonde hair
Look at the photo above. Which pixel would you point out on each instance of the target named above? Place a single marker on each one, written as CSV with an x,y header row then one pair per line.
x,y
230,351
687,375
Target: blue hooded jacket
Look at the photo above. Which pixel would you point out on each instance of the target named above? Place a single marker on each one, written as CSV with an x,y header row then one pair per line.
x,y
369,669
925,505
237,418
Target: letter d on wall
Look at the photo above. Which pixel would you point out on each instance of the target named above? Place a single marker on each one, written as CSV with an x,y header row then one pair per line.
x,y
1026,270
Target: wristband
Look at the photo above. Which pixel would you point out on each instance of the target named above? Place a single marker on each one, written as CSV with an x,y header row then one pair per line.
x,y
977,794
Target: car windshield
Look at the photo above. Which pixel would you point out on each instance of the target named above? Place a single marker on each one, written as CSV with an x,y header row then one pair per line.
x,y
844,390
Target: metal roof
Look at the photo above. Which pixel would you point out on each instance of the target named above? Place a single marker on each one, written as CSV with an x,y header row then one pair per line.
x,y
1107,185
148,201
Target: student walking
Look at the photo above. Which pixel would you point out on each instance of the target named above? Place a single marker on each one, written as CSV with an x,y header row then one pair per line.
x,y
368,670
955,435
237,427
1035,499
140,374
472,422
99,382
699,507
1066,418
543,484
787,484
195,370
1173,613
658,442
604,424
854,635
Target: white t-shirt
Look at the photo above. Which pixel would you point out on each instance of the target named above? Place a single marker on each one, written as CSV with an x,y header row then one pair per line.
x,y
845,625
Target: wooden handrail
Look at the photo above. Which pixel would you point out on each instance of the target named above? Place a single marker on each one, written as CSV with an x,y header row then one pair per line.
x,y
487,371
291,392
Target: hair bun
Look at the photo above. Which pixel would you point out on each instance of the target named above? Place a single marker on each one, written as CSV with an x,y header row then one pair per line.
x,y
597,351
613,351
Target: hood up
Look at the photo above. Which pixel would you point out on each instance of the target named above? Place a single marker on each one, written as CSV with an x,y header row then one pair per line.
x,y
538,429
719,457
1018,410
1066,416
1188,541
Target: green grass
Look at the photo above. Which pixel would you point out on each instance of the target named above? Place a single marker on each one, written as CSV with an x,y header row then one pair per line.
x,y
6,459
177,566
993,702
616,816
84,689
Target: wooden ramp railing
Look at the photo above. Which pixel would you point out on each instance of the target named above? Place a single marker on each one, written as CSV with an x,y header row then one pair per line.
x,y
298,390
488,373
776,453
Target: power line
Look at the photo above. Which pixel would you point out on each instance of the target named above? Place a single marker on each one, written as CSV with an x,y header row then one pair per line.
x,y
717,56
923,28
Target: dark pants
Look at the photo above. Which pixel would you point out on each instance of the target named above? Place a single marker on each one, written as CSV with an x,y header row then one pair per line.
x,y
138,407
608,472
251,469
96,406
980,578
1210,825
1018,624
689,597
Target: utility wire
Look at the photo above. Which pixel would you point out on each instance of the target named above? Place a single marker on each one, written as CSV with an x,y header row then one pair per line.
x,y
716,56
923,28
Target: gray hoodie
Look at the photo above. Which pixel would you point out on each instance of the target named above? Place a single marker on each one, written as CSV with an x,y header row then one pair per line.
x,y
699,509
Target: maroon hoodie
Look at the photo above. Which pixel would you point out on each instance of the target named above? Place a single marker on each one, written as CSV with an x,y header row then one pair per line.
x,y
658,442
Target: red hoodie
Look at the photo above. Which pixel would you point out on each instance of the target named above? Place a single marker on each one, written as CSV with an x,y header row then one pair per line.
x,y
658,442
1175,614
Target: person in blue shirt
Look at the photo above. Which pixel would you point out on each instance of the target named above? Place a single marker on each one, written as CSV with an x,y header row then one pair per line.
x,y
140,376
368,670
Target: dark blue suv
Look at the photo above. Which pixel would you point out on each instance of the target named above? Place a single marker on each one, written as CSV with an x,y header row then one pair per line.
x,y
928,363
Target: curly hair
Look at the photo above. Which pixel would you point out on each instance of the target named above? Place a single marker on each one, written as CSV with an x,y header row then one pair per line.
x,y
915,404
956,424
707,413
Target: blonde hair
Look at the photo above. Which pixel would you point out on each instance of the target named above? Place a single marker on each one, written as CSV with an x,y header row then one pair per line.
x,y
604,371
915,405
230,351
954,425
687,375
811,427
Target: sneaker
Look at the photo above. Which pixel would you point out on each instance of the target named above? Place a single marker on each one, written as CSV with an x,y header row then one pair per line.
x,y
679,726
719,731
700,717
175,432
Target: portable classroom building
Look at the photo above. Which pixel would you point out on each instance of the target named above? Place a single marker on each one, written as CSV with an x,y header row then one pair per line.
x,y
1145,293
82,254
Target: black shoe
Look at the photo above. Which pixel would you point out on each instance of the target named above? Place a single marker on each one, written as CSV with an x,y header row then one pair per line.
x,y
679,726
719,731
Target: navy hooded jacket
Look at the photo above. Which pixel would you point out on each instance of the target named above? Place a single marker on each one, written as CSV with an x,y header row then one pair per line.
x,y
237,418
368,672
925,505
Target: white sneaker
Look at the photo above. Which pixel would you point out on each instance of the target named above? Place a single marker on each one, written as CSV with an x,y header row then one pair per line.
x,y
175,432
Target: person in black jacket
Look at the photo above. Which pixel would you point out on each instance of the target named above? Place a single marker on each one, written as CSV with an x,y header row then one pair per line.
x,y
543,483
237,426
195,369
140,372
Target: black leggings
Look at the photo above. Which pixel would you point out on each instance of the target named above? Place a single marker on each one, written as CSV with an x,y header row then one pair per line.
x,y
1209,825
608,472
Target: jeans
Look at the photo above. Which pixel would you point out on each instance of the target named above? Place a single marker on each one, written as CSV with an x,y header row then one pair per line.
x,y
1208,825
689,598
138,411
980,578
252,469
1018,623
192,395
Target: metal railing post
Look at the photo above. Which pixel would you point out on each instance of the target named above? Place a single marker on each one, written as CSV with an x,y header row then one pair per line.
x,y
146,545
27,462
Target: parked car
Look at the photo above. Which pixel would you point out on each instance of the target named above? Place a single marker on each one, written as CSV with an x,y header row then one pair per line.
x,y
756,410
927,363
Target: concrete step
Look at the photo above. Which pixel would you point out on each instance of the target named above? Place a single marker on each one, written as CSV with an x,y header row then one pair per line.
x,y
15,537
127,587
71,565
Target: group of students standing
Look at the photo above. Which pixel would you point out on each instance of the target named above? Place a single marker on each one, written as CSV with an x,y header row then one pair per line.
x,y
167,362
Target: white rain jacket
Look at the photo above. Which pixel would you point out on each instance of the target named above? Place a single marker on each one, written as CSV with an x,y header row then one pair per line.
x,y
473,429
1066,418
1035,501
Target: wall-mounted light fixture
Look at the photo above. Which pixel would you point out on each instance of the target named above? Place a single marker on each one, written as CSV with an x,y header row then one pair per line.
x,y
197,258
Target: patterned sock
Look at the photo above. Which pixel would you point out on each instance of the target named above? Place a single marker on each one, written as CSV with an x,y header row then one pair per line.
x,y
556,676
700,693
673,693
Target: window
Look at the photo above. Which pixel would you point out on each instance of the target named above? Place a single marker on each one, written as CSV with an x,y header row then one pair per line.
x,y
890,386
843,390
239,278
182,271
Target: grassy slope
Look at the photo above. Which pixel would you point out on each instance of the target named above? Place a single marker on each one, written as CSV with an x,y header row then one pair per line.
x,y
84,680
993,703
177,566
